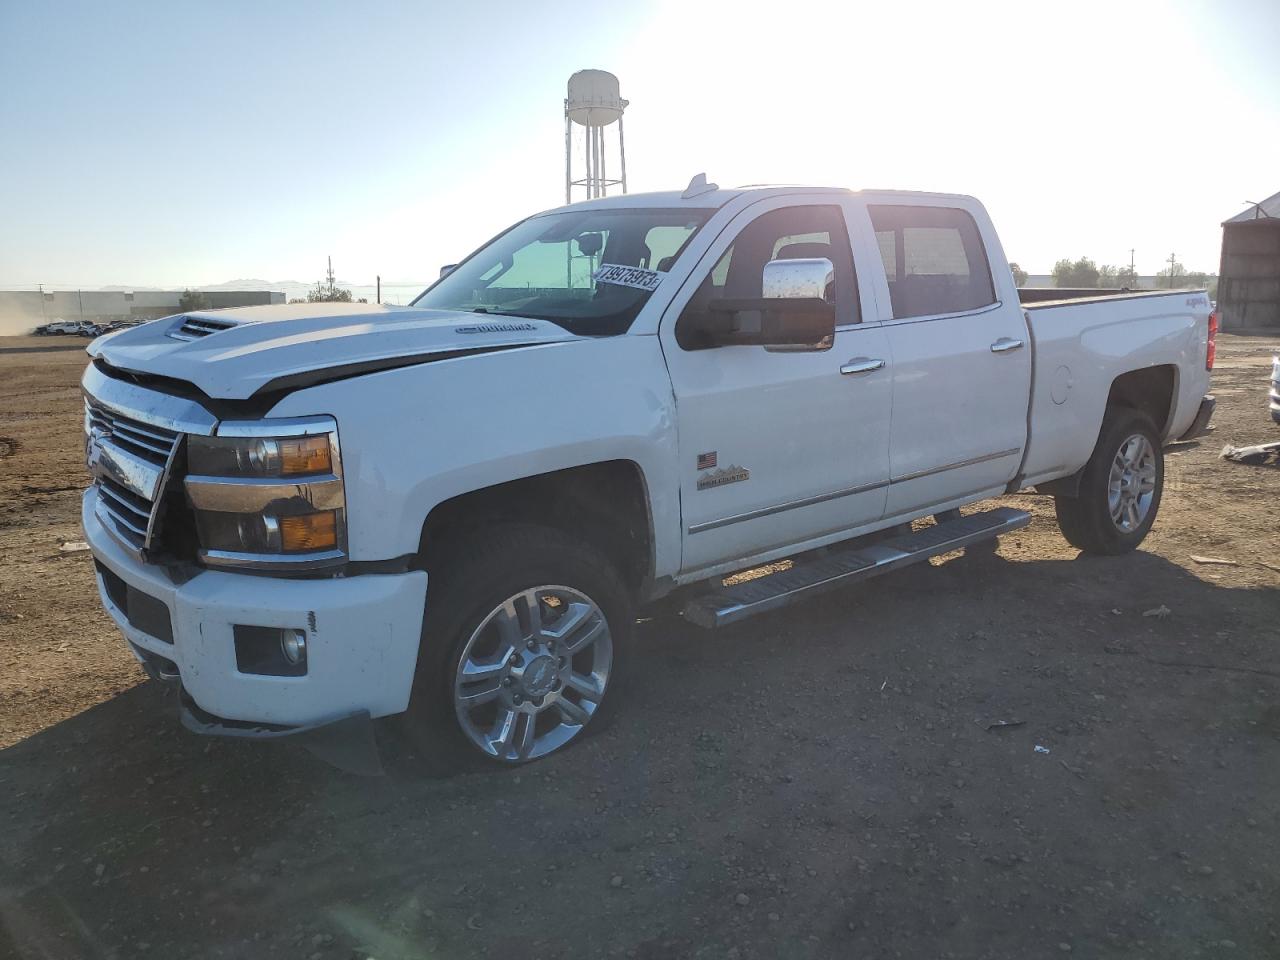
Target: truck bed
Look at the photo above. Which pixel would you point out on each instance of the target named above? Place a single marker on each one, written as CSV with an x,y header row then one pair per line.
x,y
1082,344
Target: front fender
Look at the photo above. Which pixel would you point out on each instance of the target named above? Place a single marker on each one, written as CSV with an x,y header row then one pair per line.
x,y
416,436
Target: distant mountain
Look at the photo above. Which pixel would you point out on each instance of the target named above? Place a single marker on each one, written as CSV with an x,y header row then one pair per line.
x,y
252,285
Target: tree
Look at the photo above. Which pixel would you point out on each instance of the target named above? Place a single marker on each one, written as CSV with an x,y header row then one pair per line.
x,y
1172,276
1080,273
1109,276
328,291
192,300
1019,275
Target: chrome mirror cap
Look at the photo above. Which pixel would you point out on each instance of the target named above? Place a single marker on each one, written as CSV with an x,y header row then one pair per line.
x,y
804,279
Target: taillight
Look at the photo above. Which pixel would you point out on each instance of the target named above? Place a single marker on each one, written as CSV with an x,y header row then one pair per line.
x,y
1211,348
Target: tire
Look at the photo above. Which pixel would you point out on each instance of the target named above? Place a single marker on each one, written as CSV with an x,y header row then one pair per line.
x,y
470,596
1120,488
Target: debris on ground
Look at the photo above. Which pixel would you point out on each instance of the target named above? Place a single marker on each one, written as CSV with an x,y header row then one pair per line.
x,y
73,546
1214,561
1159,612
1041,748
995,724
1255,455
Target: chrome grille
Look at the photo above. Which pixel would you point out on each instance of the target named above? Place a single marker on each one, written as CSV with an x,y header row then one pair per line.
x,y
149,442
194,328
129,461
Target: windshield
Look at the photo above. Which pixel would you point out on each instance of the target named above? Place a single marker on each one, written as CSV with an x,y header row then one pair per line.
x,y
556,267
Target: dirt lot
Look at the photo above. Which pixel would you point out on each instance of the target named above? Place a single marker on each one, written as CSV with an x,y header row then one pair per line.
x,y
816,783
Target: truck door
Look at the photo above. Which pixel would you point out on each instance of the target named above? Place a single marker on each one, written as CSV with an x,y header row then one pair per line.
x,y
961,357
778,445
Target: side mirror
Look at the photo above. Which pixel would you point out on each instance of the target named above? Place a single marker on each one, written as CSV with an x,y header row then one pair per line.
x,y
806,279
447,269
794,310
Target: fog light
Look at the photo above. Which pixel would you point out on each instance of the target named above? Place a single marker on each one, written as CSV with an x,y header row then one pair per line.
x,y
293,644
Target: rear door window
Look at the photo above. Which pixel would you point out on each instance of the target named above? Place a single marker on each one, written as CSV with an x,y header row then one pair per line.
x,y
934,260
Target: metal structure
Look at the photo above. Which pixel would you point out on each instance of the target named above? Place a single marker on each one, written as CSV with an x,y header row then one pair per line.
x,y
594,104
1249,276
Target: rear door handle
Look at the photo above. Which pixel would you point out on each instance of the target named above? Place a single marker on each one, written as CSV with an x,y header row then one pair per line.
x,y
1005,344
861,365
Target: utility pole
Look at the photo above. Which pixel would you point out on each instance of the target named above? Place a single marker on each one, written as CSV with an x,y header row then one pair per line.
x,y
1133,270
1173,265
379,288
43,317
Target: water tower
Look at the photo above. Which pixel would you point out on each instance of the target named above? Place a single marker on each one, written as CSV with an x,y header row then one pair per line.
x,y
594,104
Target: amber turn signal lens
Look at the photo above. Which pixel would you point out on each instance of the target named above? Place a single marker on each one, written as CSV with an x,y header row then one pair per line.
x,y
305,455
310,531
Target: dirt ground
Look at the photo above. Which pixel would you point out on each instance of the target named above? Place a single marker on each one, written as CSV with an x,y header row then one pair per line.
x,y
819,782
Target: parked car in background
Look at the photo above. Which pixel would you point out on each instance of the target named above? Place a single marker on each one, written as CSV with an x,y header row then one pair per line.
x,y
56,327
609,403
79,328
115,325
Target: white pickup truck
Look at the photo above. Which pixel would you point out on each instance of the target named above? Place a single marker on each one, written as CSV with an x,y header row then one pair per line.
x,y
307,516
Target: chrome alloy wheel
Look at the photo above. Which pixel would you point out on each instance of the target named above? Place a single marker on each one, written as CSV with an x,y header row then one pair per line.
x,y
1132,483
533,673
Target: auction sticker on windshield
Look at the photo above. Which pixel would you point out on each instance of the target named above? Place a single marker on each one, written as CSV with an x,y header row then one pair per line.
x,y
621,276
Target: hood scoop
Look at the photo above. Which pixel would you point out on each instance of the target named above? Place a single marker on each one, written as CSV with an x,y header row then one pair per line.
x,y
196,328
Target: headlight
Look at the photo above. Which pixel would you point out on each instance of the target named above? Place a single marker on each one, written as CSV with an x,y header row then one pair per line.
x,y
269,494
260,456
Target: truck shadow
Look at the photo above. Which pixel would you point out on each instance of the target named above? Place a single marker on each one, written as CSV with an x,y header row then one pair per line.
x,y
118,828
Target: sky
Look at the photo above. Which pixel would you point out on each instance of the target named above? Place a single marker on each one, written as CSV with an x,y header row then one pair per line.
x,y
192,142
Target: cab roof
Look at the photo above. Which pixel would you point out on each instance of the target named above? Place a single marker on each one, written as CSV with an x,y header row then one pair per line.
x,y
713,198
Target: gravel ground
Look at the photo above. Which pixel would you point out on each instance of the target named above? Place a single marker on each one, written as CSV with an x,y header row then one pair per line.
x,y
820,782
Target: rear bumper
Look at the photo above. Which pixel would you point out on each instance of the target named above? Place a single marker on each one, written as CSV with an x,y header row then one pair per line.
x,y
362,635
1200,425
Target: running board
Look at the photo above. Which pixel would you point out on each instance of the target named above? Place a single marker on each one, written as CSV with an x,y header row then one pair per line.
x,y
843,566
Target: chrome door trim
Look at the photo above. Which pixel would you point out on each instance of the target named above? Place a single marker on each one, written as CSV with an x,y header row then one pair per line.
x,y
789,505
847,492
892,321
970,462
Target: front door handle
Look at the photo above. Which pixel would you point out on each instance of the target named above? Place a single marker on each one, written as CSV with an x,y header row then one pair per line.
x,y
1005,344
861,365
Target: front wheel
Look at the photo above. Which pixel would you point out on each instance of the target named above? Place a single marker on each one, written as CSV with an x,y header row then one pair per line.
x,y
520,642
1120,488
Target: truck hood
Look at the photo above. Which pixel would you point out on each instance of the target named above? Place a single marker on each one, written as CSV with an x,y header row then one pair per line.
x,y
235,354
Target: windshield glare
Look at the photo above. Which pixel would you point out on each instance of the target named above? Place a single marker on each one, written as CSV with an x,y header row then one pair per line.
x,y
543,268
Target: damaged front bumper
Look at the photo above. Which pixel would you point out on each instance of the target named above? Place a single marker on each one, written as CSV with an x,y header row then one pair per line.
x,y
203,635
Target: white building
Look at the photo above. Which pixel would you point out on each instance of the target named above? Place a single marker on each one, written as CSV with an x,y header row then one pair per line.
x,y
23,310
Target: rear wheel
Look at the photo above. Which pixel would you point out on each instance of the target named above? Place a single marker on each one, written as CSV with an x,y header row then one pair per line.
x,y
519,643
1120,488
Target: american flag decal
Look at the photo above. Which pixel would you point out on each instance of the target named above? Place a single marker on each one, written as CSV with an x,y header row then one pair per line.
x,y
707,461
